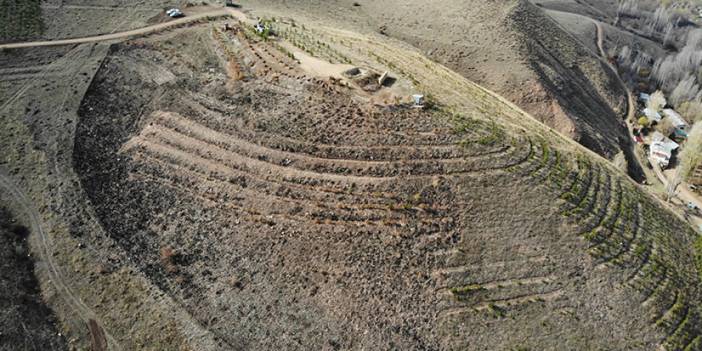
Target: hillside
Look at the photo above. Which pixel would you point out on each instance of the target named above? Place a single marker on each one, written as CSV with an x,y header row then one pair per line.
x,y
511,47
26,322
208,189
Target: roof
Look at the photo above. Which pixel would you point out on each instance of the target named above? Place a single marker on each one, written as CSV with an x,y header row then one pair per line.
x,y
661,139
675,117
652,115
644,97
660,153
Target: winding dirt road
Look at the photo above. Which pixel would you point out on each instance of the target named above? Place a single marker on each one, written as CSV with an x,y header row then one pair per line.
x,y
631,102
136,32
631,113
46,255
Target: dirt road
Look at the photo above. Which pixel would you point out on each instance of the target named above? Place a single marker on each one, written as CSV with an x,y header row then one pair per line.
x,y
46,255
631,113
141,31
631,102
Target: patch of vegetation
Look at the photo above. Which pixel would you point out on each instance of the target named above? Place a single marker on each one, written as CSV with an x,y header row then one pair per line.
x,y
466,289
495,310
312,43
488,133
698,255
20,20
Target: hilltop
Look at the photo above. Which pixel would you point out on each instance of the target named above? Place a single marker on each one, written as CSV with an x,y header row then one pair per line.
x,y
511,47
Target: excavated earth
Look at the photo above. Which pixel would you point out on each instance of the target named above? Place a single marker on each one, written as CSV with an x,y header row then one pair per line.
x,y
285,211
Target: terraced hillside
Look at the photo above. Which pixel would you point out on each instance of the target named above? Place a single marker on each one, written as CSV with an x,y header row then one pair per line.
x,y
283,210
511,47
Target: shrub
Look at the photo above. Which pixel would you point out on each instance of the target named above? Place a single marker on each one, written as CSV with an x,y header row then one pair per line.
x,y
167,257
698,255
643,121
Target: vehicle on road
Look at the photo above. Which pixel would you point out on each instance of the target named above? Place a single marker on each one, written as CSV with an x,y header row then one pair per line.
x,y
175,13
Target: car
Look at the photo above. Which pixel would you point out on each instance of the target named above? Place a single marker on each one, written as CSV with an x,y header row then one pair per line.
x,y
174,12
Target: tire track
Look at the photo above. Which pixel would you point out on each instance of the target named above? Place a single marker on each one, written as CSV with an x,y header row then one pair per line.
x,y
46,253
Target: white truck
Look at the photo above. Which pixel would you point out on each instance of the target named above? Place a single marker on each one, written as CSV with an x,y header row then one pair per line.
x,y
175,13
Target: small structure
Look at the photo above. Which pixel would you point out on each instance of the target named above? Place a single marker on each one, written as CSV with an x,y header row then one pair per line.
x,y
643,97
676,119
652,115
231,3
383,78
259,28
662,149
418,100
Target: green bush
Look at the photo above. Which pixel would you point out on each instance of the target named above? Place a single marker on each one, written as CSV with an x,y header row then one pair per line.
x,y
698,255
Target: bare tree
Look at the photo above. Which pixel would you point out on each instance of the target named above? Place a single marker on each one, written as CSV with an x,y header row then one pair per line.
x,y
672,185
641,61
628,8
692,110
694,38
691,154
624,56
686,90
657,101
671,70
668,34
659,20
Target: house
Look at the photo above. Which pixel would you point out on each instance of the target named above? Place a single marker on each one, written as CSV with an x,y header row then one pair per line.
x,y
652,115
643,97
676,119
660,154
662,149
